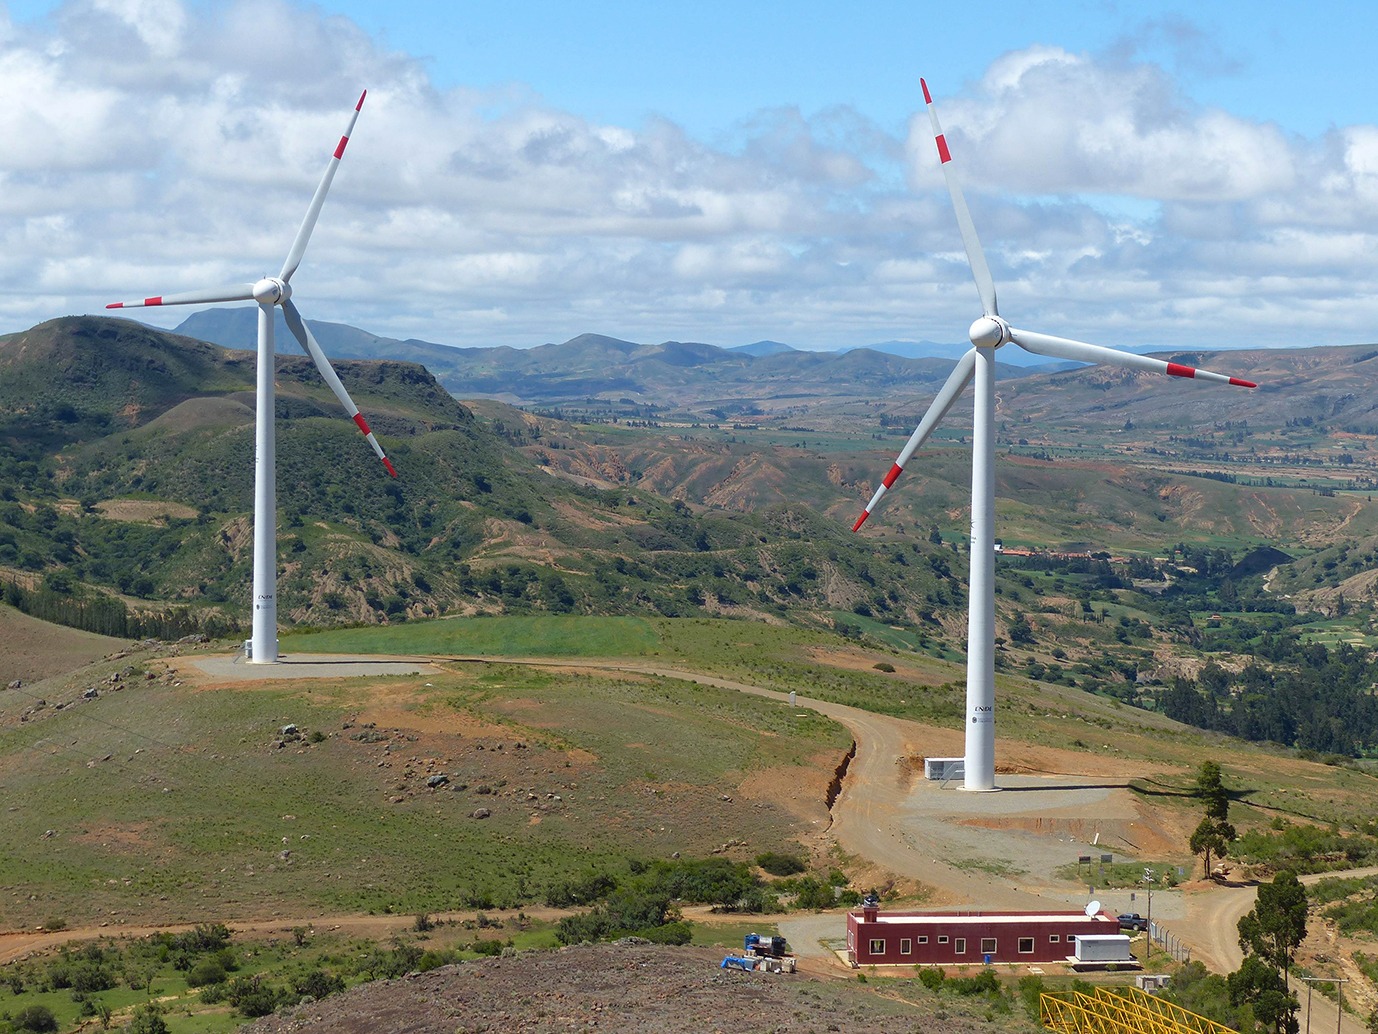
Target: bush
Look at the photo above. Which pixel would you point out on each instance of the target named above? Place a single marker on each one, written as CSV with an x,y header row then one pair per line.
x,y
148,1019
814,894
204,938
38,1018
984,982
778,864
251,997
932,978
678,932
207,971
1031,990
318,984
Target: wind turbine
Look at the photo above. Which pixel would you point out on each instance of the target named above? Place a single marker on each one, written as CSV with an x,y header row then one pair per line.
x,y
987,334
269,292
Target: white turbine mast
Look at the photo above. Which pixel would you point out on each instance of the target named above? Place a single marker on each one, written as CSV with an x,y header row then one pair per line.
x,y
270,292
987,334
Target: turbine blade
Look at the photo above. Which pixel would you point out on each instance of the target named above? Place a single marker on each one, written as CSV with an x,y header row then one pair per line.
x,y
1063,348
237,293
307,340
313,210
956,382
980,272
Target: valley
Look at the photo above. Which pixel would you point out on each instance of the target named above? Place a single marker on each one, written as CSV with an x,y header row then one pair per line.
x,y
615,588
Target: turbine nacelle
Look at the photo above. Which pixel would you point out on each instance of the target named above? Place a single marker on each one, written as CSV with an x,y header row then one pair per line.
x,y
989,332
272,291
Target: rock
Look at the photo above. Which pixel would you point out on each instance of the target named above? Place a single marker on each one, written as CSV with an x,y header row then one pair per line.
x,y
480,813
16,684
439,779
91,694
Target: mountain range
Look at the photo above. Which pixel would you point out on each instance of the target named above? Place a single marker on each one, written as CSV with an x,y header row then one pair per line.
x,y
126,460
595,367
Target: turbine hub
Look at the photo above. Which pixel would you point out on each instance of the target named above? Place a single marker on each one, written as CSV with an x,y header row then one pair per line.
x,y
272,291
989,332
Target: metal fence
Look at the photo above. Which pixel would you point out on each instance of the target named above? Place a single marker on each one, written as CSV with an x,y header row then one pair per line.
x,y
1168,942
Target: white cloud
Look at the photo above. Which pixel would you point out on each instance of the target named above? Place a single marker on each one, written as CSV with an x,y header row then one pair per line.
x,y
155,146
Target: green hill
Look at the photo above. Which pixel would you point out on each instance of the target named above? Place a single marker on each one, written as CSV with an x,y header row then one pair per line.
x,y
130,474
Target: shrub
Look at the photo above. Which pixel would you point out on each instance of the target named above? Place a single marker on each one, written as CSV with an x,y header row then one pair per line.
x,y
884,666
814,894
38,1018
250,996
318,984
778,864
1031,990
148,1019
984,982
678,932
207,971
932,978
204,938
87,978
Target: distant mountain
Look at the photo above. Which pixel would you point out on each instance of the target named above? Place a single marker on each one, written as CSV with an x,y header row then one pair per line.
x,y
759,348
687,376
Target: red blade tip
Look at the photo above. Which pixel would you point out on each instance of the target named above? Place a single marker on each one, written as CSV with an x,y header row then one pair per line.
x,y
115,305
1242,383
360,105
927,97
861,520
387,464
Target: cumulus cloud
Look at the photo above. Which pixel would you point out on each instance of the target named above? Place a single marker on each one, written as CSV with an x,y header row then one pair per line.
x,y
159,145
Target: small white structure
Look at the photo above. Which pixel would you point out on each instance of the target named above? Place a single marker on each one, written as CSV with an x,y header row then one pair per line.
x,y
943,768
1102,947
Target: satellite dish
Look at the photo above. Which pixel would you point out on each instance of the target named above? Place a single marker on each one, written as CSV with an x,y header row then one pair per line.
x,y
1093,909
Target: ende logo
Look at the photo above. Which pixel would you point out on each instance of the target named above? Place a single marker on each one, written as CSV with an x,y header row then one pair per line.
x,y
982,713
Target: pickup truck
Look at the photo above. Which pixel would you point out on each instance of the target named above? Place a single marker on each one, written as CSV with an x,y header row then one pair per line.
x,y
1133,921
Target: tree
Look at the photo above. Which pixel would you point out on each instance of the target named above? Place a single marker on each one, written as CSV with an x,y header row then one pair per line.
x,y
1276,926
1264,990
1211,837
1211,789
1020,630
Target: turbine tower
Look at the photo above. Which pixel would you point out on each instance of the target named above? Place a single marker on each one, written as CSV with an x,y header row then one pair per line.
x,y
987,334
270,292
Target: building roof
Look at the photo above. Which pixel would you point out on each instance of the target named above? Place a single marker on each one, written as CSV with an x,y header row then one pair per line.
x,y
989,918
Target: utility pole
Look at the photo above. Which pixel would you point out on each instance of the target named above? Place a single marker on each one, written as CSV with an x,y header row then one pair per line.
x,y
1339,983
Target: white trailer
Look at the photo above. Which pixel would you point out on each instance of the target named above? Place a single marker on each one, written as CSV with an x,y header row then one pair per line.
x,y
1102,947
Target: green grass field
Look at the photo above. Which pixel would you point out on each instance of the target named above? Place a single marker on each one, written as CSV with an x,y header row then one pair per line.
x,y
552,636
169,804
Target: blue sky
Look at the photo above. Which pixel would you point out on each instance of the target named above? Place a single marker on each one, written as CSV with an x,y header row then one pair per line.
x,y
1140,174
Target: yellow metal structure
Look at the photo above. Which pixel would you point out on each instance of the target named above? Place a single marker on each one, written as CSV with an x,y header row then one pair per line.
x,y
1121,1010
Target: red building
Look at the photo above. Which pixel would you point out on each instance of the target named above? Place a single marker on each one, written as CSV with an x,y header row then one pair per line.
x,y
876,938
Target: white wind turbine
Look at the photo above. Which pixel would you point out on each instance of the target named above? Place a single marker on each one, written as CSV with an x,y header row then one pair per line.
x,y
269,292
987,334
